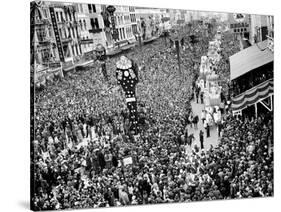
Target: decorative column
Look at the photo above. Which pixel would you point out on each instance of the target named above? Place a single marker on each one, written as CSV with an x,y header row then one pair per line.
x,y
127,77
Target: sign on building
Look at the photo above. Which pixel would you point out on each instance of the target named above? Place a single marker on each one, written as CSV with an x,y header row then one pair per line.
x,y
239,23
56,32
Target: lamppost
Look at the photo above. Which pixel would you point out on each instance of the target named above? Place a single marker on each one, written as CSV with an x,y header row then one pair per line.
x,y
138,38
101,57
176,35
143,27
111,9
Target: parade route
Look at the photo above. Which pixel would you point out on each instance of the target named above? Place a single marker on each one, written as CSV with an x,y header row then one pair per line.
x,y
212,140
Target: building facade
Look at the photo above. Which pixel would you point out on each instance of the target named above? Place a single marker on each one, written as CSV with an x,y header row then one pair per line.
x,y
67,29
97,28
44,42
125,18
239,24
149,20
261,26
85,37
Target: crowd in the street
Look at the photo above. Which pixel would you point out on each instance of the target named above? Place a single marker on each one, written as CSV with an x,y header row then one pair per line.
x,y
82,143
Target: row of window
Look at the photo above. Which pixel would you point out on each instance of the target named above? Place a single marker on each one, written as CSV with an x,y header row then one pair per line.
x,y
126,19
132,9
66,16
240,30
92,8
133,18
47,54
135,29
94,24
68,32
123,35
82,24
236,25
75,50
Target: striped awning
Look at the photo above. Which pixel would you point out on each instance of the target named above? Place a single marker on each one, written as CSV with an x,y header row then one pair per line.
x,y
253,95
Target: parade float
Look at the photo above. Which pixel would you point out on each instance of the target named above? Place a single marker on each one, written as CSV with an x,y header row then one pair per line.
x,y
209,82
204,70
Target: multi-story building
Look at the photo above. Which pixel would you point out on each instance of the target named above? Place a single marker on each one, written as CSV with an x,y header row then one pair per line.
x,y
149,20
84,25
66,22
45,60
261,26
43,38
125,20
251,69
97,27
239,24
133,18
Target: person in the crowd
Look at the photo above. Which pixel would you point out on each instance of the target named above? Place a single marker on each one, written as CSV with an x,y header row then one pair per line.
x,y
207,130
203,116
202,97
84,156
201,136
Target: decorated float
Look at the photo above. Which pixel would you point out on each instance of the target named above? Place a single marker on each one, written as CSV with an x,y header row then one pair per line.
x,y
208,82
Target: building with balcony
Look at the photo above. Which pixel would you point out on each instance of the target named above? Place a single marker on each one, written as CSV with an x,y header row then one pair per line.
x,y
239,24
67,24
43,38
251,73
149,20
261,26
45,59
125,19
84,26
97,27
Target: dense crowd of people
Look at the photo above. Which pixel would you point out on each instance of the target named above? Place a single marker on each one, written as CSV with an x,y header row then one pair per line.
x,y
84,156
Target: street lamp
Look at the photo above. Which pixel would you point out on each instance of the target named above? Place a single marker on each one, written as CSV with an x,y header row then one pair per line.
x,y
101,57
138,38
176,35
111,9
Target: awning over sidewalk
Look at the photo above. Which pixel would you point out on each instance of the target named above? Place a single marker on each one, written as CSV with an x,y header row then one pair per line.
x,y
253,95
249,59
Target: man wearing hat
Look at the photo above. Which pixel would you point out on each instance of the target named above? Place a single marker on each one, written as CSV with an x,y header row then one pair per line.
x,y
201,136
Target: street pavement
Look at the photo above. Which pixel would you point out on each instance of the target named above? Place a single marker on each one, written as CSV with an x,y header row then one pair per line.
x,y
212,140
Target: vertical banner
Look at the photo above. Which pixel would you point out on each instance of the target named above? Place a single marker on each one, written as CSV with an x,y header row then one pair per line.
x,y
55,27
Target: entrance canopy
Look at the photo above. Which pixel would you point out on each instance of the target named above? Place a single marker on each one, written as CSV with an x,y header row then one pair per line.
x,y
249,59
